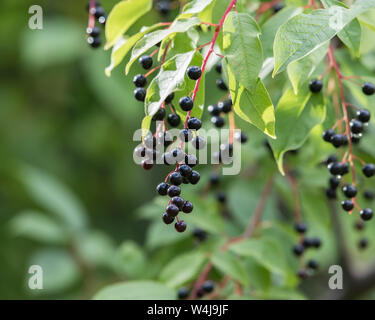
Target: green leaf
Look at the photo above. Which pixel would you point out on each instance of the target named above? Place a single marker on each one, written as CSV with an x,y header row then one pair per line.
x,y
153,38
55,197
123,46
146,122
242,48
122,17
130,260
255,107
231,266
304,33
136,290
299,71
351,34
37,226
265,251
271,26
169,79
182,269
296,116
195,6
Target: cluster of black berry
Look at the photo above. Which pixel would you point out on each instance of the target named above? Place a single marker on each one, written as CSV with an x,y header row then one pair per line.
x,y
93,32
305,243
140,81
220,82
207,287
218,109
339,169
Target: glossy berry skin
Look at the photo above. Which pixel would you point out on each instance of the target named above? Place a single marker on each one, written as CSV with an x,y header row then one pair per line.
x,y
94,42
191,160
140,94
347,205
178,201
182,293
140,80
213,110
180,226
298,249
194,72
368,89
167,219
221,84
327,135
218,122
93,32
349,191
356,126
172,210
175,178
162,188
363,115
174,191
366,214
198,143
330,159
334,182
300,227
169,98
186,103
187,207
368,170
363,243
185,135
315,86
208,286
185,170
312,264
338,168
194,123
159,115
174,119
225,106
146,62
194,177
338,140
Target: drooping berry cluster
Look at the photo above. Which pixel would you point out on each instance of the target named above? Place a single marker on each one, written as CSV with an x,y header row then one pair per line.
x,y
96,13
207,287
300,248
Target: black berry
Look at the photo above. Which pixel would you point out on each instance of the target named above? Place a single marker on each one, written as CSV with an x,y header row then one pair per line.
x,y
217,121
298,249
366,214
182,293
225,106
185,170
363,115
174,191
140,80
277,7
94,42
198,143
162,188
208,286
191,160
172,210
347,205
327,135
363,243
316,242
169,98
167,218
300,227
194,177
213,110
178,201
315,86
186,103
163,7
194,72
147,164
159,115
334,182
175,178
356,126
140,94
218,67
174,119
312,264
194,123
221,84
331,193
240,137
93,32
180,226
369,195
368,170
349,191
368,88
185,135
221,197
146,62
187,207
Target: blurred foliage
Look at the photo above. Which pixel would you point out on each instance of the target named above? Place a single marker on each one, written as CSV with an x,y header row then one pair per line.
x,y
73,201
